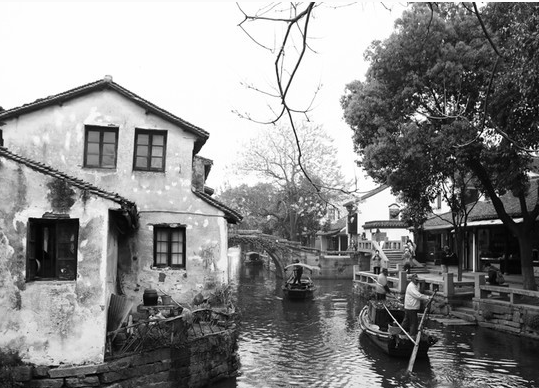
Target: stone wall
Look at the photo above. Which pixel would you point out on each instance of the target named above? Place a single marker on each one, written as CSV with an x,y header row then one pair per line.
x,y
200,362
501,315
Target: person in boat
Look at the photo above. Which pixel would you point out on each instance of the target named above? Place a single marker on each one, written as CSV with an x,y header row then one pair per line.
x,y
382,289
412,303
376,261
298,272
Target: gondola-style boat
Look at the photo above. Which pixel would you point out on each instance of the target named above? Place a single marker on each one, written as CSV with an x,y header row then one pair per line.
x,y
304,289
378,325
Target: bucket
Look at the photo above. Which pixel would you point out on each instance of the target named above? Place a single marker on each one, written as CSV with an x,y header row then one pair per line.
x,y
166,299
150,297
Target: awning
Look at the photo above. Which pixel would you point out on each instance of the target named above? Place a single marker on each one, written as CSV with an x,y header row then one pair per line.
x,y
491,222
309,267
449,226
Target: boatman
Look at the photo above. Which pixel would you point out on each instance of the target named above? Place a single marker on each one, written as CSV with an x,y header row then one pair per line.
x,y
381,285
298,271
412,304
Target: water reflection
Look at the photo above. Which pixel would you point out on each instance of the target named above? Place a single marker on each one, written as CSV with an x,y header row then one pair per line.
x,y
318,344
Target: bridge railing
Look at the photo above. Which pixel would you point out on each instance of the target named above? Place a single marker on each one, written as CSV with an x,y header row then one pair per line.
x,y
447,286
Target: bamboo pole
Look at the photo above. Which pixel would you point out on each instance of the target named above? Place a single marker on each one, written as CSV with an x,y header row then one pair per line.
x,y
418,337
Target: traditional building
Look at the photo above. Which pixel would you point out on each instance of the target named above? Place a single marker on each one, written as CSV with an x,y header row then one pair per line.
x,y
374,216
102,193
488,239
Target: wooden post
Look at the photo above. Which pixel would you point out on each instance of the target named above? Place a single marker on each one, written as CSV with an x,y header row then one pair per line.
x,y
403,282
479,281
449,288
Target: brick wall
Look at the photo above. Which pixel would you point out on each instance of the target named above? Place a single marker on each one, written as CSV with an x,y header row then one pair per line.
x,y
198,363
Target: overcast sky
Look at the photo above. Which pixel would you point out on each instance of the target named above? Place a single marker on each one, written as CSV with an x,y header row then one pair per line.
x,y
188,58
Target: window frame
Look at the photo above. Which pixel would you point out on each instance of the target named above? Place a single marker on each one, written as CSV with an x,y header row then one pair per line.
x,y
151,133
170,229
102,130
56,260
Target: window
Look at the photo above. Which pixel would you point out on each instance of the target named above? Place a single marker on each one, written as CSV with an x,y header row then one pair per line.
x,y
100,147
439,201
394,212
169,246
52,249
150,150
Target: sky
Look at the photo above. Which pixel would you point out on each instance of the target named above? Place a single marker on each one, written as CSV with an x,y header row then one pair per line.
x,y
189,58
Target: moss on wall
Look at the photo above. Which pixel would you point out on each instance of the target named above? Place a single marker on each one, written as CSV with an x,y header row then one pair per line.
x,y
61,196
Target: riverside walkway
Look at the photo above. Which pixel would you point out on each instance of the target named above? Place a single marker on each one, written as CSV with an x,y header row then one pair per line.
x,y
506,307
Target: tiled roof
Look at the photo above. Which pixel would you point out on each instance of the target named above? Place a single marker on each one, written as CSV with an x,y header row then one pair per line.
x,y
385,224
335,227
107,83
79,183
484,210
231,215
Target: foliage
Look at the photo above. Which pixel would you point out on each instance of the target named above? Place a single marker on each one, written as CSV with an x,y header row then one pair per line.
x,y
419,118
259,206
286,203
8,360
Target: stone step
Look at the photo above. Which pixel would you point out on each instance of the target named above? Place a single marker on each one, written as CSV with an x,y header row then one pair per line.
x,y
465,313
451,321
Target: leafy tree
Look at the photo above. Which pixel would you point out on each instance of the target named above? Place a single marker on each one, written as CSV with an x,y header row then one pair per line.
x,y
419,119
273,159
259,205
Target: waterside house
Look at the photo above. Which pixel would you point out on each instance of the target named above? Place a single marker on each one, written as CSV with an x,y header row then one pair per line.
x,y
102,193
489,240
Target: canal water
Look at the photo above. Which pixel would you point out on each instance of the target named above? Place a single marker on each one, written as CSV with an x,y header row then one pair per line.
x,y
319,344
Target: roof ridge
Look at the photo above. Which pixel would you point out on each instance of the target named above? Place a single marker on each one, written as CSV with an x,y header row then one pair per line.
x,y
77,182
106,82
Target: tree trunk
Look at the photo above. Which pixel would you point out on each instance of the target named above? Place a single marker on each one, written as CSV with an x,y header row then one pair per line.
x,y
525,242
460,251
293,232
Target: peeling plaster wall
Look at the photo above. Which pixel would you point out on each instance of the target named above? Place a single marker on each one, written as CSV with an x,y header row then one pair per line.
x,y
50,322
206,265
55,135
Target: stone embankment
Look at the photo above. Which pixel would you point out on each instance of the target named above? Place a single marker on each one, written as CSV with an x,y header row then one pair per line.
x,y
197,362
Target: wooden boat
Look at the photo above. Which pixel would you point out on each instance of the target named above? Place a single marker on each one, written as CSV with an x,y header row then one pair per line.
x,y
376,323
253,259
303,290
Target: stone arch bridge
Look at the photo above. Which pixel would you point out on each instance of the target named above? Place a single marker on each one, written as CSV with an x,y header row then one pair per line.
x,y
283,252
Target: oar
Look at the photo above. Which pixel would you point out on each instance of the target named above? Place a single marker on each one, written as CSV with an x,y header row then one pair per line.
x,y
418,337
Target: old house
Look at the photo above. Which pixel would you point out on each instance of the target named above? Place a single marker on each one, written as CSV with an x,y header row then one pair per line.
x,y
102,193
373,216
487,239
